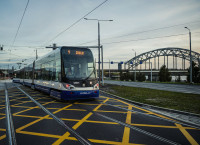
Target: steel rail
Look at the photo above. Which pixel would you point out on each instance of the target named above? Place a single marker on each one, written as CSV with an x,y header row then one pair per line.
x,y
10,131
58,120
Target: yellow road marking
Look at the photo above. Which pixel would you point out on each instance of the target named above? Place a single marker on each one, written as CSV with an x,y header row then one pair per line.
x,y
149,111
126,135
33,122
103,141
114,111
28,116
187,135
20,106
91,121
75,109
39,134
2,117
100,105
86,104
1,129
110,142
32,108
61,139
2,137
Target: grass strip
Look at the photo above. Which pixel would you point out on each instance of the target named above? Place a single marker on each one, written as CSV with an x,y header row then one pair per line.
x,y
166,99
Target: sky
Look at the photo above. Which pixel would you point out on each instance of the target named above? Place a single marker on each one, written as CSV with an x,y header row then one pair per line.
x,y
133,21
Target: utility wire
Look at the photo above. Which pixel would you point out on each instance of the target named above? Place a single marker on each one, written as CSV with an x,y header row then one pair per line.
x,y
20,24
148,38
154,29
76,22
142,31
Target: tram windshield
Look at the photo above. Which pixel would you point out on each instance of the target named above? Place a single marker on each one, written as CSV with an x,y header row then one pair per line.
x,y
78,64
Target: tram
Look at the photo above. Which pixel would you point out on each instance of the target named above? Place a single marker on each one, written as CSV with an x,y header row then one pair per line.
x,y
67,73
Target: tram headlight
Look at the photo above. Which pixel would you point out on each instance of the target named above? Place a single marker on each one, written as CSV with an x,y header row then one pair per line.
x,y
96,86
68,86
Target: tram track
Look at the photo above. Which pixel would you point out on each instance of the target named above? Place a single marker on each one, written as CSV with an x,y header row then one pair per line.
x,y
81,139
10,130
157,137
100,112
87,142
158,110
157,117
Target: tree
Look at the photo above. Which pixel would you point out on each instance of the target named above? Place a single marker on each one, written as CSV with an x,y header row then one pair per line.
x,y
178,79
164,74
132,77
140,77
127,75
121,76
195,73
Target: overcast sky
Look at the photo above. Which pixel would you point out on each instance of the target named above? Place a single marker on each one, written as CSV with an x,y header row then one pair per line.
x,y
45,19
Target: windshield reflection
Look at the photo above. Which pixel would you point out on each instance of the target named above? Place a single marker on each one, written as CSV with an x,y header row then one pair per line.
x,y
78,65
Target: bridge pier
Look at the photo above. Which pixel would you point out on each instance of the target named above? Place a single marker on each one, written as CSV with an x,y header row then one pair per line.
x,y
145,65
149,64
173,61
164,59
184,63
158,63
167,62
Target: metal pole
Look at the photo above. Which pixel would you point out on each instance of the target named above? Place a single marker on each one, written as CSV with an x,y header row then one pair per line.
x,y
102,65
36,55
190,55
135,67
99,51
190,59
151,71
109,68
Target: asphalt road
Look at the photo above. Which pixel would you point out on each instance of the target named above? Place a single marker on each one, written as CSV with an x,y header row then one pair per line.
x,y
102,121
194,89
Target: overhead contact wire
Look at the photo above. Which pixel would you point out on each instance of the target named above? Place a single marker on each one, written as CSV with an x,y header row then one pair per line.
x,y
77,21
20,24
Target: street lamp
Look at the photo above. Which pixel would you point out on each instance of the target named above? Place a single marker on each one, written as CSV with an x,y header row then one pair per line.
x,y
135,66
99,48
190,56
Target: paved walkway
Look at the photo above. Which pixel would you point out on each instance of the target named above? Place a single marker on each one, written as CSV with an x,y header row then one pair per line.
x,y
194,89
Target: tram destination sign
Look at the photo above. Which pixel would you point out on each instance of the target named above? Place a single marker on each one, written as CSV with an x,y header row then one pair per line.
x,y
75,52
